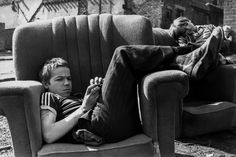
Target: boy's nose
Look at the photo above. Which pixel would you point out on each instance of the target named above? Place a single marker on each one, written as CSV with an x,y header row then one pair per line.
x,y
66,82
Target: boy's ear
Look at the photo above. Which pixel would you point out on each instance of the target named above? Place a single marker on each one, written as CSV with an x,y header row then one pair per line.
x,y
45,84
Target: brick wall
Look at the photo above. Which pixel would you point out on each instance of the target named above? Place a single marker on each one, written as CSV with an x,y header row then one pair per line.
x,y
230,19
163,12
151,9
105,6
197,11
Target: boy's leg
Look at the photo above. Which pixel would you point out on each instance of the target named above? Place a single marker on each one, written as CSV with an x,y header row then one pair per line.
x,y
118,117
210,60
200,61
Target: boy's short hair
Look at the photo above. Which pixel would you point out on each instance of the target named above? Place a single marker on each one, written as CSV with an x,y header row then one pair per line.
x,y
49,66
180,25
227,28
181,21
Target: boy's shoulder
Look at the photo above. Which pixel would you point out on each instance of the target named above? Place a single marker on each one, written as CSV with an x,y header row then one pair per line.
x,y
50,94
49,97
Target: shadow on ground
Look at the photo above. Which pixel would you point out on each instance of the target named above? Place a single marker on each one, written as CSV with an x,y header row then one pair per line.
x,y
219,144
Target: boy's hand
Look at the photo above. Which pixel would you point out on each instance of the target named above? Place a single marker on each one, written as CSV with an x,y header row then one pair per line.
x,y
91,96
97,80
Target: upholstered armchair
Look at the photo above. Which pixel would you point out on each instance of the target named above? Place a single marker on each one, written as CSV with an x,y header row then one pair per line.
x,y
87,42
210,105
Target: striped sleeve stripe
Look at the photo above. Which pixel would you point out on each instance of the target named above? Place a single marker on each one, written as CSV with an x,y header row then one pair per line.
x,y
45,103
45,100
42,99
48,99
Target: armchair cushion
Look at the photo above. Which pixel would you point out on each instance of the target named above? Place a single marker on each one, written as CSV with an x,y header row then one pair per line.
x,y
162,37
136,146
205,117
218,85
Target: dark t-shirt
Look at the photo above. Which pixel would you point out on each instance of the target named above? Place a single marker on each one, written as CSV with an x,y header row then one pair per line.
x,y
61,107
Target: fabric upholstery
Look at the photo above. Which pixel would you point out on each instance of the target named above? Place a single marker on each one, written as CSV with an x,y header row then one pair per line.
x,y
136,146
19,103
164,88
87,42
218,85
162,37
206,117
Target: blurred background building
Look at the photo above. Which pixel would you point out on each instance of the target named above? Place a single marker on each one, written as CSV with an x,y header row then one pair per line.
x,y
161,12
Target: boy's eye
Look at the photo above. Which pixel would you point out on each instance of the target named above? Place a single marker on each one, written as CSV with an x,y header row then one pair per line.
x,y
59,79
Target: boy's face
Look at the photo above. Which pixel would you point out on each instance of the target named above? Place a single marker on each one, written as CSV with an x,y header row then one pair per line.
x,y
60,82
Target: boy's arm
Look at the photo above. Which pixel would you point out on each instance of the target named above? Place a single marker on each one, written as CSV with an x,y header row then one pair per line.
x,y
53,130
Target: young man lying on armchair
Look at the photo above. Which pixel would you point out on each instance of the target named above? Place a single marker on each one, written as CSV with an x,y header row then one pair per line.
x,y
113,117
195,41
108,111
197,35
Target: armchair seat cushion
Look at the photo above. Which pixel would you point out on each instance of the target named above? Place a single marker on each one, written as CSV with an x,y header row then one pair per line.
x,y
137,146
205,117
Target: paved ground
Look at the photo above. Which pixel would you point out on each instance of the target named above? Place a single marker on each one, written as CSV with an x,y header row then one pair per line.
x,y
222,144
6,66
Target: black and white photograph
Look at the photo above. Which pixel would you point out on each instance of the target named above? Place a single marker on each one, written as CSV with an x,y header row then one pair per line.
x,y
117,78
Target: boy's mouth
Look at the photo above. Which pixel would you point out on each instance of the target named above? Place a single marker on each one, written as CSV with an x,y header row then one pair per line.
x,y
67,90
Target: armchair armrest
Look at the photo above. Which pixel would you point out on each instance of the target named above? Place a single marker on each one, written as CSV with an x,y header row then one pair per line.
x,y
19,102
218,85
161,95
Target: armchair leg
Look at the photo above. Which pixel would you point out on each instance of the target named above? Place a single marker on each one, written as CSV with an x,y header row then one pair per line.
x,y
166,128
165,118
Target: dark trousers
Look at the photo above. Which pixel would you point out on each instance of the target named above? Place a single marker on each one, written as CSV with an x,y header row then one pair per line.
x,y
198,63
117,117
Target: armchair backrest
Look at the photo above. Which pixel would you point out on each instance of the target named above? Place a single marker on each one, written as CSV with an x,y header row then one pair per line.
x,y
162,37
87,42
